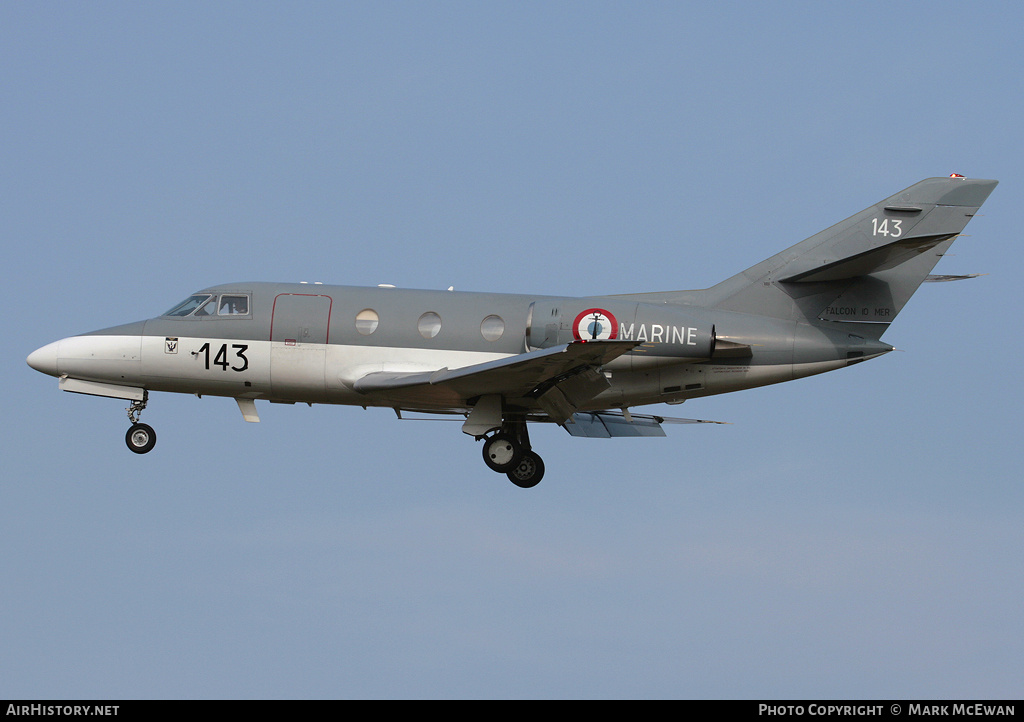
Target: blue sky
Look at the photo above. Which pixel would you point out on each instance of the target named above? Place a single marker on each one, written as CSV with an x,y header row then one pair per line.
x,y
852,535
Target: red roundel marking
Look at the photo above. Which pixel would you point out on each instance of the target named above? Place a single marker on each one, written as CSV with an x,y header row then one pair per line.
x,y
595,324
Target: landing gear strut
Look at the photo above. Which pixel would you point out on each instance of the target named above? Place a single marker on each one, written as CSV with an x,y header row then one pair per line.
x,y
508,452
140,437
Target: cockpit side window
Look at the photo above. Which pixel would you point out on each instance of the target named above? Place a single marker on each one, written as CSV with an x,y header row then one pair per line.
x,y
189,305
207,309
231,305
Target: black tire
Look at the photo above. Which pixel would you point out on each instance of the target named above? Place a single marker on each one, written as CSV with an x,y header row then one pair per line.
x,y
140,438
502,453
528,472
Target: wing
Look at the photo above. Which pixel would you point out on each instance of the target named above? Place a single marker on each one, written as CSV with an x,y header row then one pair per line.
x,y
559,378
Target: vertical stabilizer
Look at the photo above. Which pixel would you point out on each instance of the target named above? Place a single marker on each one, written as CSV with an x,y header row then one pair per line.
x,y
864,269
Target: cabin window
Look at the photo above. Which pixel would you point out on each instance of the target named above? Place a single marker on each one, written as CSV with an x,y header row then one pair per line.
x,y
429,324
492,327
234,305
367,321
189,305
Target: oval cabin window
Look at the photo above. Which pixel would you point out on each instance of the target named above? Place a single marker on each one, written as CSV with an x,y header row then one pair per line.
x,y
429,325
367,321
492,327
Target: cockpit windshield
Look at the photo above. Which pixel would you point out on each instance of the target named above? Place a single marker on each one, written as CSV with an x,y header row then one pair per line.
x,y
206,304
189,305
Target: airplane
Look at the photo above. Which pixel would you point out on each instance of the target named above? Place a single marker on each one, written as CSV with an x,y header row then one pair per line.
x,y
503,361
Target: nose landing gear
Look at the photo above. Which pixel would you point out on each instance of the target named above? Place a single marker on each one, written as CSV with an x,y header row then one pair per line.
x,y
140,437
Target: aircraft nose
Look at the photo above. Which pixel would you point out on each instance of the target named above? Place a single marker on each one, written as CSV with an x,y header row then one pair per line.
x,y
45,359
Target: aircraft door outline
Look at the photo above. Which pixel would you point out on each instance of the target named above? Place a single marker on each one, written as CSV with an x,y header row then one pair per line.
x,y
299,333
543,325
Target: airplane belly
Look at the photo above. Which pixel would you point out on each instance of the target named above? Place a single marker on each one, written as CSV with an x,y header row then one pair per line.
x,y
627,388
724,378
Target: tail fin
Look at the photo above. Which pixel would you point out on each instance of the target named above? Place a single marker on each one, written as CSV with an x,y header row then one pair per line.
x,y
864,269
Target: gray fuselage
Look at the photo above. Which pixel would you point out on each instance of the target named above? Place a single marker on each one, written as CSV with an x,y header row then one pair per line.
x,y
312,343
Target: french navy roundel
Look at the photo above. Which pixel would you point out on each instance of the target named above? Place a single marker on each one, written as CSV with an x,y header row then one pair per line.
x,y
595,324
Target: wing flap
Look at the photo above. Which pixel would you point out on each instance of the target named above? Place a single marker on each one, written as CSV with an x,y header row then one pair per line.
x,y
606,424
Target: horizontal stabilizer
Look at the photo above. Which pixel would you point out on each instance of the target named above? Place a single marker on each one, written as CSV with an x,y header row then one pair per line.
x,y
939,278
606,424
877,259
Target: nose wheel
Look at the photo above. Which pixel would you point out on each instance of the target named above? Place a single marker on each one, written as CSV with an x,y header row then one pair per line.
x,y
140,437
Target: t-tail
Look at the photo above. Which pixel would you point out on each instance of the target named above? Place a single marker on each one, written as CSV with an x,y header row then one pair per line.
x,y
863,270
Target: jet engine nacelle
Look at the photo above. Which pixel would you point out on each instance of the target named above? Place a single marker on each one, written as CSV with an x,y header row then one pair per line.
x,y
667,336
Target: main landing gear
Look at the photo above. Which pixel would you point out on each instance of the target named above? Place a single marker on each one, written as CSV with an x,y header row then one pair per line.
x,y
508,452
140,437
